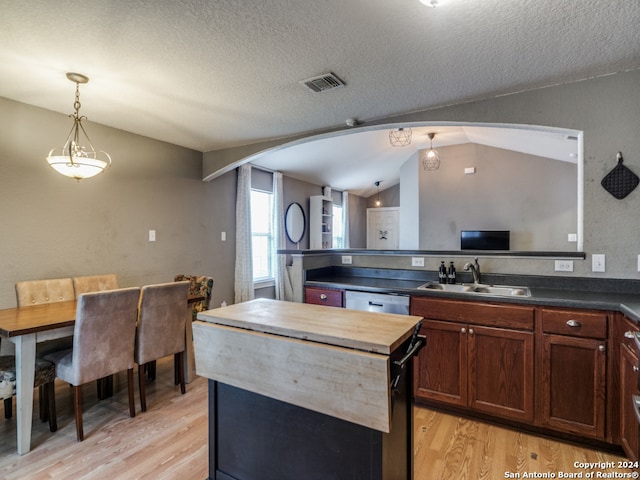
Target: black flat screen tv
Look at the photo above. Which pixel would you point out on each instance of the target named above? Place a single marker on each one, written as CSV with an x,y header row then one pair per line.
x,y
484,239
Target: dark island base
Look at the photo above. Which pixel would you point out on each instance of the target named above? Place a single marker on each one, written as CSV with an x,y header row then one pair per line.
x,y
252,437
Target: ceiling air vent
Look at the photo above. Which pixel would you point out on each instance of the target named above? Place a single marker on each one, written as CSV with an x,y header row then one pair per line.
x,y
323,82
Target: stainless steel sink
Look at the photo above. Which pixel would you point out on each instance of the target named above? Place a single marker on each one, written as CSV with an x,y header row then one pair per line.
x,y
478,289
502,290
447,287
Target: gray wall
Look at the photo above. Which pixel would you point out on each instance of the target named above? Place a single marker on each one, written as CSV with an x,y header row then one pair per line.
x,y
533,197
389,197
53,226
607,110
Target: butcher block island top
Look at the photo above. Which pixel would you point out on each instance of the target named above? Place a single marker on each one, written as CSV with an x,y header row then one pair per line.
x,y
330,360
377,333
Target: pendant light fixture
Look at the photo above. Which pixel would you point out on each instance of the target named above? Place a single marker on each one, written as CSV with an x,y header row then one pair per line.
x,y
75,159
377,184
430,158
400,137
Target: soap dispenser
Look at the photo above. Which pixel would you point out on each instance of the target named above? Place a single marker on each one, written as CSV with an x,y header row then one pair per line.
x,y
451,277
442,273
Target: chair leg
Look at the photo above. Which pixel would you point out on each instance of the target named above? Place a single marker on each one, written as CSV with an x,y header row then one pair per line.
x,y
100,389
179,358
42,402
8,407
77,406
132,403
176,367
105,387
50,389
151,370
141,380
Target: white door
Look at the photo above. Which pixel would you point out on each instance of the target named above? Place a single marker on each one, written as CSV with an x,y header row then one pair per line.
x,y
382,228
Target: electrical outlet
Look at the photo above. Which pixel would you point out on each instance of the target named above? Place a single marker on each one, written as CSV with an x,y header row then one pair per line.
x,y
346,260
572,237
564,266
152,235
597,262
417,261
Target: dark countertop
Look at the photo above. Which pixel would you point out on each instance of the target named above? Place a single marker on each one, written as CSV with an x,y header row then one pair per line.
x,y
570,292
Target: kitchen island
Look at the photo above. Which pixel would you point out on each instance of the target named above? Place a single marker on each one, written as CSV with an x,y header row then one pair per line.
x,y
306,391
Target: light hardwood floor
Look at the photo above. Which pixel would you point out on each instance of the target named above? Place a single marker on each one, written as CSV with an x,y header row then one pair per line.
x,y
169,441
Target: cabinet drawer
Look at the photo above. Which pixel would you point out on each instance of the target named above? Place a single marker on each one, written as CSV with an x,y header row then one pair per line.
x,y
575,323
628,329
323,296
487,314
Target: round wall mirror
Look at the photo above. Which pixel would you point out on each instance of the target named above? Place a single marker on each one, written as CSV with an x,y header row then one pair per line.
x,y
294,222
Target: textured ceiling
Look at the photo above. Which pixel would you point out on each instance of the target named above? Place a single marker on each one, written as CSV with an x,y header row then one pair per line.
x,y
212,74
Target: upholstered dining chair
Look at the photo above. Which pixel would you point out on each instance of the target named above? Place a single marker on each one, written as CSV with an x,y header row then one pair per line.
x,y
45,376
97,283
201,286
37,292
94,283
103,344
161,329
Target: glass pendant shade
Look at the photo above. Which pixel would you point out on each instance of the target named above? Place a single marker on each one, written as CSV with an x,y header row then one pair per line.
x,y
77,158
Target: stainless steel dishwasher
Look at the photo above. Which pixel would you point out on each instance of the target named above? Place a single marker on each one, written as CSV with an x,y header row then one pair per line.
x,y
377,302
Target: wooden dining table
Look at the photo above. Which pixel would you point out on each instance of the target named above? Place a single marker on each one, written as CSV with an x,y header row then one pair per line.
x,y
27,326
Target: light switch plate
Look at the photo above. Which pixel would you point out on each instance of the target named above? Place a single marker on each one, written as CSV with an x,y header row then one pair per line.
x,y
597,262
417,261
346,259
152,235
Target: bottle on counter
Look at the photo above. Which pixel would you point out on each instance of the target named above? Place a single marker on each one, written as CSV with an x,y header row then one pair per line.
x,y
442,273
451,277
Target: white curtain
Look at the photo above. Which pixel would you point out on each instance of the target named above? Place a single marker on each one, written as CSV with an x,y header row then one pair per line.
x,y
284,290
244,264
345,220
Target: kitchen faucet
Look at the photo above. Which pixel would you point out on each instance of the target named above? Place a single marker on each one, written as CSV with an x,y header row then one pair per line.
x,y
475,269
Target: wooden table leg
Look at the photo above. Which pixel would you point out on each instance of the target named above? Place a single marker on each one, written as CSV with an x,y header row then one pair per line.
x,y
25,372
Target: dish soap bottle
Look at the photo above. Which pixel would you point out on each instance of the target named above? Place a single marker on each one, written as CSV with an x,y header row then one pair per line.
x,y
451,277
442,273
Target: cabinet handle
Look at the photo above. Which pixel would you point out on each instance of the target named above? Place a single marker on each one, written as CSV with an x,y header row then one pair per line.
x,y
471,331
463,330
601,348
635,368
629,334
573,323
323,296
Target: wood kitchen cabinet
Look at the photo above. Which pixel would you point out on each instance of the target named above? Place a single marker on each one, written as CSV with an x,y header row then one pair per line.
x,y
324,296
478,356
572,360
629,385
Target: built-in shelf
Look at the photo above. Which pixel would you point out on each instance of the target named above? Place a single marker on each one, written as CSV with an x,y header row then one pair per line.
x,y
320,222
